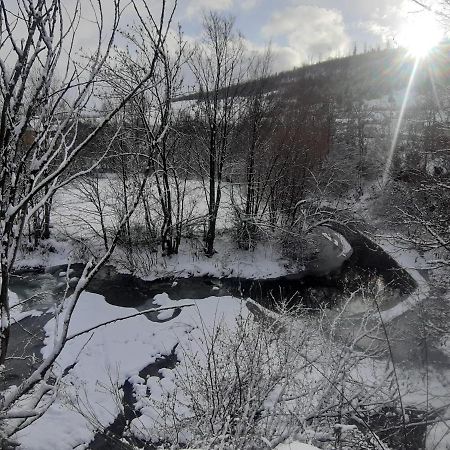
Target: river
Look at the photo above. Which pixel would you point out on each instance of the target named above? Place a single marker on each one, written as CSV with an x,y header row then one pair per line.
x,y
368,266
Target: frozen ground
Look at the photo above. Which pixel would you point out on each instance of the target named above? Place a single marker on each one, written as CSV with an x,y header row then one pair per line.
x,y
99,362
103,360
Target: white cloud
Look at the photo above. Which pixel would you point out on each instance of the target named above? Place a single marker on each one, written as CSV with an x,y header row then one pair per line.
x,y
248,5
389,18
196,7
282,57
311,32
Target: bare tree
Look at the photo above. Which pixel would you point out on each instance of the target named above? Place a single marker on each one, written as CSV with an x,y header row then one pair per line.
x,y
38,37
149,110
441,8
217,64
258,121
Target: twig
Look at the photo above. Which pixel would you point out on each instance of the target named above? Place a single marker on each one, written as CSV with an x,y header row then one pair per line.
x,y
140,313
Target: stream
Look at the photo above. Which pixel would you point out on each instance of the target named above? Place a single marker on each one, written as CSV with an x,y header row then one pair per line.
x,y
368,266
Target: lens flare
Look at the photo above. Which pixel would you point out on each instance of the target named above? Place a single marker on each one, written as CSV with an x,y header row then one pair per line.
x,y
398,125
420,34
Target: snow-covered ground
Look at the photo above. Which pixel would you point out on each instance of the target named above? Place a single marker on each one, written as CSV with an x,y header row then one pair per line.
x,y
265,261
52,252
104,359
100,361
18,308
76,212
77,220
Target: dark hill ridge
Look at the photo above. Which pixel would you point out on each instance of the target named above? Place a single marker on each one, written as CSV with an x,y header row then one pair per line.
x,y
359,77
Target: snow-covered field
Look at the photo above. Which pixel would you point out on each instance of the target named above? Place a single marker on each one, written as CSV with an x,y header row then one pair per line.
x,y
76,210
100,361
77,221
104,359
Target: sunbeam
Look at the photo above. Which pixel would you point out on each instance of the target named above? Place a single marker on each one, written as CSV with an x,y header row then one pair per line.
x,y
435,93
420,34
388,165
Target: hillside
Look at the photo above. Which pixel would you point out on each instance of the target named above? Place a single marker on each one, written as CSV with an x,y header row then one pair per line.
x,y
360,77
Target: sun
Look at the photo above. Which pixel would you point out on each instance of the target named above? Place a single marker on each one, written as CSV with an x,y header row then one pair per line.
x,y
420,34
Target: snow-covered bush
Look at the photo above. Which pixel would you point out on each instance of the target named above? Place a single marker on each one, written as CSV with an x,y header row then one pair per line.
x,y
299,247
246,230
256,383
139,235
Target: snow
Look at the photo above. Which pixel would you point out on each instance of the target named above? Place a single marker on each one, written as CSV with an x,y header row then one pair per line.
x,y
19,312
165,315
295,446
438,437
265,261
343,428
346,248
51,252
111,353
411,262
340,242
64,273
332,251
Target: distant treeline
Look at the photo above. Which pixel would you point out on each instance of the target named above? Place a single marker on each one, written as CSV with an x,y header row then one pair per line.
x,y
357,77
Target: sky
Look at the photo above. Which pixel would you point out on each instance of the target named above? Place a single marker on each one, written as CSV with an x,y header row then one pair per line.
x,y
298,31
305,31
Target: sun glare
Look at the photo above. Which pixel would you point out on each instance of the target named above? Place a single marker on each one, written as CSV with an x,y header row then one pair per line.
x,y
420,34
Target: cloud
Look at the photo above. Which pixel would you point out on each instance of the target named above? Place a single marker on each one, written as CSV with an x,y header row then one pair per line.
x,y
284,58
281,57
248,5
310,32
388,18
195,7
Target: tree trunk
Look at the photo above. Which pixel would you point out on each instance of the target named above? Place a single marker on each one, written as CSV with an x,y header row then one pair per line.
x,y
210,235
46,223
212,210
4,312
